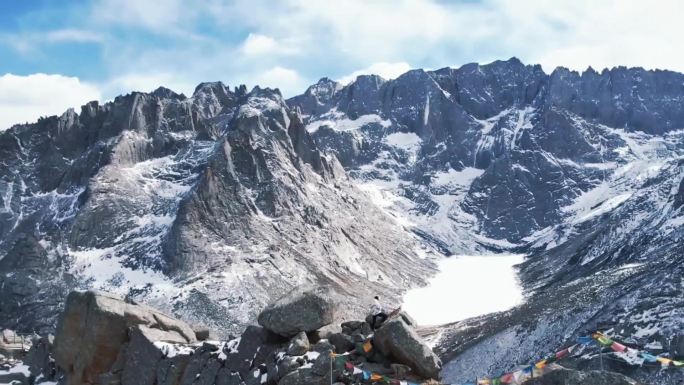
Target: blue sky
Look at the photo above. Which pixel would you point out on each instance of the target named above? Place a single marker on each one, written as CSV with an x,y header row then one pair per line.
x,y
55,54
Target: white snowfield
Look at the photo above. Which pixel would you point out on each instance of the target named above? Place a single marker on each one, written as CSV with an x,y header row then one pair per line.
x,y
466,286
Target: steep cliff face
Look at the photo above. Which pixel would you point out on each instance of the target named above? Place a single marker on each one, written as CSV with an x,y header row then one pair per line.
x,y
549,137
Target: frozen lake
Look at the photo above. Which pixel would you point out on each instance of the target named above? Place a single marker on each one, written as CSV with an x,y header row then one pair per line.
x,y
466,286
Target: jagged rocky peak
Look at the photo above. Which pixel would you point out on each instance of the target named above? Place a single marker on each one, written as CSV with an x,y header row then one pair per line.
x,y
213,97
318,98
166,93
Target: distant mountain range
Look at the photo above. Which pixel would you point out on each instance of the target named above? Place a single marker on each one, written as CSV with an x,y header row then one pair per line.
x,y
209,206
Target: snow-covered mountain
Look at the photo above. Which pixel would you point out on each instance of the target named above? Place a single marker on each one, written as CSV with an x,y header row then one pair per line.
x,y
215,203
208,206
583,172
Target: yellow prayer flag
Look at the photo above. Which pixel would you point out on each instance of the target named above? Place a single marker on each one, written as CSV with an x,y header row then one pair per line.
x,y
664,361
367,346
376,377
541,364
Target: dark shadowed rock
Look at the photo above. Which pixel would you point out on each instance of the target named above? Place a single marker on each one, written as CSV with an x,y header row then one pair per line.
x,y
399,341
39,358
302,310
342,342
142,356
299,345
19,378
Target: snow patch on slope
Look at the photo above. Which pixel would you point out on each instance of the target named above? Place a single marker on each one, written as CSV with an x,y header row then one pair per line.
x,y
338,121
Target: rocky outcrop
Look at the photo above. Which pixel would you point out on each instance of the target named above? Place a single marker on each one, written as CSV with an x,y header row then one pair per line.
x,y
103,340
303,310
94,329
398,340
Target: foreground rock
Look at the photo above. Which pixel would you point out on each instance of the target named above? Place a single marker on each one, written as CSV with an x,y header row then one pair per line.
x,y
304,310
94,328
102,340
573,377
398,340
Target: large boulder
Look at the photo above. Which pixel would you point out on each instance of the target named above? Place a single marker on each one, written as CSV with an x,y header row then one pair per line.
x,y
303,310
94,329
573,377
399,341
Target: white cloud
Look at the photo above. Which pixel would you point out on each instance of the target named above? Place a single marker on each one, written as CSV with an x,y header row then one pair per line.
x,y
383,69
158,15
256,44
287,80
26,98
72,35
148,82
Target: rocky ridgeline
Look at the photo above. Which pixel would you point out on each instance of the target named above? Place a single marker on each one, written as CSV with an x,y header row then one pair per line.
x,y
104,340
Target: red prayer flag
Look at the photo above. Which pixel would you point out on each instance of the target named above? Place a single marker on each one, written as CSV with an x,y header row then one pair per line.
x,y
618,347
349,366
562,353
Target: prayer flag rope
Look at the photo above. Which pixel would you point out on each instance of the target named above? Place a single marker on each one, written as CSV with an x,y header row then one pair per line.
x,y
521,375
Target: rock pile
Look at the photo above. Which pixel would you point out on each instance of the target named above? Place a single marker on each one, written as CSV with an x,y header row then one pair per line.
x,y
102,340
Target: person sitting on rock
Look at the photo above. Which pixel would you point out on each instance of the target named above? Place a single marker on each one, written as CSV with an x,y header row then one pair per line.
x,y
378,313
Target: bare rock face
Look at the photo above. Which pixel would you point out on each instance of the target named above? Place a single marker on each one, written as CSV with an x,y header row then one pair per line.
x,y
94,327
303,310
398,340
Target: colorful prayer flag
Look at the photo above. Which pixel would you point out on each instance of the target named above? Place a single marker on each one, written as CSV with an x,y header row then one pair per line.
x,y
584,340
376,377
618,347
367,346
664,361
540,364
649,357
507,378
562,354
366,375
349,366
678,363
603,340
